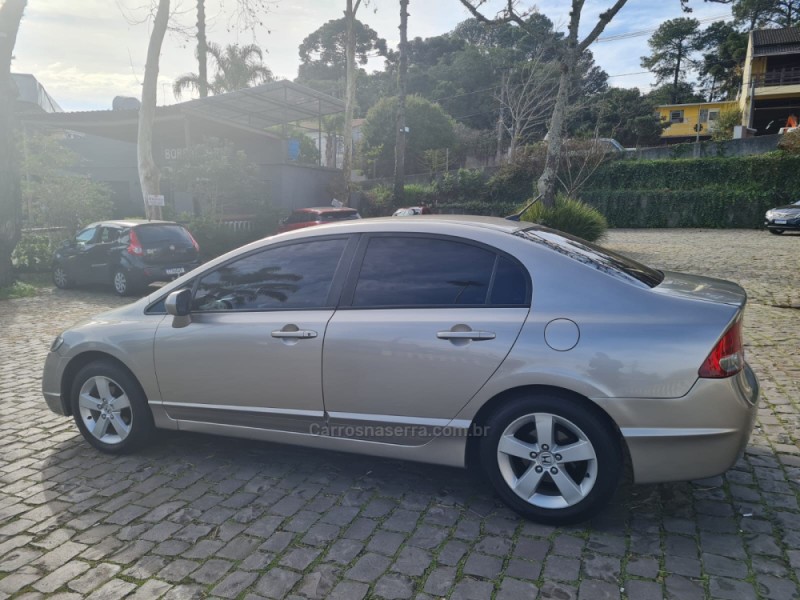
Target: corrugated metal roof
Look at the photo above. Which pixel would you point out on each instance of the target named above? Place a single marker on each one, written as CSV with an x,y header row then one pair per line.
x,y
769,42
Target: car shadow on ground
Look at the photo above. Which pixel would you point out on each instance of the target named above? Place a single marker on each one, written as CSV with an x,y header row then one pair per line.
x,y
89,479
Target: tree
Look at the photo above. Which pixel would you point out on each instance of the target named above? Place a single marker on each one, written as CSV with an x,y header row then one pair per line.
x,y
10,16
400,123
351,74
429,128
672,45
526,98
623,114
237,67
53,196
724,53
568,59
149,176
666,94
755,14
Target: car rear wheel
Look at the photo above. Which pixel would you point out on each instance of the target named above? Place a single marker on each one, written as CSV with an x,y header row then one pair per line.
x,y
776,231
122,283
60,278
552,459
110,408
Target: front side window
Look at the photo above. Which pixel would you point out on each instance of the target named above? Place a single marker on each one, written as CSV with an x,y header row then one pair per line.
x,y
411,271
86,236
296,276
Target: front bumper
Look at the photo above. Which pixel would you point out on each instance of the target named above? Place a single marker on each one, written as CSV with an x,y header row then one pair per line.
x,y
787,225
699,435
54,366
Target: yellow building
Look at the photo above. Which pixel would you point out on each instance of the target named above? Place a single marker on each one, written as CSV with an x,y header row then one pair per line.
x,y
770,91
684,119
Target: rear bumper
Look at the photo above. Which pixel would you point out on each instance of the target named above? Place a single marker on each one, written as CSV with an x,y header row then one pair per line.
x,y
146,274
699,435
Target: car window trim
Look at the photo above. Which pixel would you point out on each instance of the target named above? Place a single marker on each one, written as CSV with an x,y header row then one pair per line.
x,y
334,293
346,300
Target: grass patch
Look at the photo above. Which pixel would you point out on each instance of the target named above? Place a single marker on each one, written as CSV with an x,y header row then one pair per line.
x,y
18,289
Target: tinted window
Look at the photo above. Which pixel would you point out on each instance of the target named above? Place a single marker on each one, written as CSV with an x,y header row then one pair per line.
x,y
287,277
599,258
108,235
341,215
86,235
301,217
155,234
510,283
408,271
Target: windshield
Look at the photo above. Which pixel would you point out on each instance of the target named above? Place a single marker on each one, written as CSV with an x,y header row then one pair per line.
x,y
599,258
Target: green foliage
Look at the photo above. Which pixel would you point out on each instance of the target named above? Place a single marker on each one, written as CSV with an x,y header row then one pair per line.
x,y
570,216
706,192
465,185
237,67
34,253
52,196
430,127
790,142
672,45
728,119
626,115
18,289
215,237
725,51
220,178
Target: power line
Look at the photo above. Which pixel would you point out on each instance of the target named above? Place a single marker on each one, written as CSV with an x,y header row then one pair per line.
x,y
641,32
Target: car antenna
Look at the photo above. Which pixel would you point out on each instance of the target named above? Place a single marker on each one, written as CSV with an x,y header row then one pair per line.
x,y
518,216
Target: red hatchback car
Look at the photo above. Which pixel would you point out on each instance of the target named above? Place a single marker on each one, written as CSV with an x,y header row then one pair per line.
x,y
307,217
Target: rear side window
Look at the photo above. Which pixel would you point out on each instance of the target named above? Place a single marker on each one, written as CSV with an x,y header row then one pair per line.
x,y
289,277
339,216
156,234
301,217
411,271
609,262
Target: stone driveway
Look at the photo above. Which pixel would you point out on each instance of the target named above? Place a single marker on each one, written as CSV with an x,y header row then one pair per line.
x,y
197,516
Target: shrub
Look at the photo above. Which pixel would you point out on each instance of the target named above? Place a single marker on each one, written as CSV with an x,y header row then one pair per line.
x,y
728,119
216,238
790,142
570,216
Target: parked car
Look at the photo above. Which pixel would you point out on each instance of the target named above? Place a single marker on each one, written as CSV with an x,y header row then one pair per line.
x,y
334,337
308,217
128,254
783,218
412,211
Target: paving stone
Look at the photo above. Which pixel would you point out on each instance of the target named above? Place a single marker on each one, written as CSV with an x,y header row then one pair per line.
x,y
385,542
482,565
349,590
412,561
212,571
732,589
151,590
513,589
277,583
394,587
644,590
368,568
299,558
177,570
60,576
470,589
440,581
343,551
93,578
234,584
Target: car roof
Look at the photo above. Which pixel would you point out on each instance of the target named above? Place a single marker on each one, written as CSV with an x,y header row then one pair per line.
x,y
433,223
130,223
324,209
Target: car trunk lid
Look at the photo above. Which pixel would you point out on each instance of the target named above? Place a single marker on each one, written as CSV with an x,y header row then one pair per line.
x,y
697,287
165,244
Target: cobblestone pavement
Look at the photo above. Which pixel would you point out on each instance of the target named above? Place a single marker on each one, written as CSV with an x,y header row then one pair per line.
x,y
197,516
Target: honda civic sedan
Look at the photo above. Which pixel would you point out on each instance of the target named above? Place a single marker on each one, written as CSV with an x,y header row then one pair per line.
x,y
542,360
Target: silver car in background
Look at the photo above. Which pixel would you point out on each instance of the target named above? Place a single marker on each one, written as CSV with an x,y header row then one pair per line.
x,y
464,341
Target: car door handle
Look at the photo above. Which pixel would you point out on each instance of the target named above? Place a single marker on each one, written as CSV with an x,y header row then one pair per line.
x,y
465,335
301,334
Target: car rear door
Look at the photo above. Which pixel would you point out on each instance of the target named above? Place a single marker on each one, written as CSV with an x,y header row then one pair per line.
x,y
252,355
424,322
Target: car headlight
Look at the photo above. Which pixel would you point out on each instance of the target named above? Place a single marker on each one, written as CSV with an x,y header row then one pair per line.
x,y
56,343
769,214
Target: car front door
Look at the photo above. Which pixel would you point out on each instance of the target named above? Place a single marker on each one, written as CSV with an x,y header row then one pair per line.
x,y
98,254
252,355
76,257
423,323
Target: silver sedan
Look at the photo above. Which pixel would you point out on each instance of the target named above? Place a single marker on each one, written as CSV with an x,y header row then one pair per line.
x,y
538,358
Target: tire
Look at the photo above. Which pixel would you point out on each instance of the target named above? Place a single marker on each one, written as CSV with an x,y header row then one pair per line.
x,y
110,408
122,284
549,487
776,231
60,278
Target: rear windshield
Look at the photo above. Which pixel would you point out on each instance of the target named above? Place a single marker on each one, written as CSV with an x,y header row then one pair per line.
x,y
601,259
345,215
157,234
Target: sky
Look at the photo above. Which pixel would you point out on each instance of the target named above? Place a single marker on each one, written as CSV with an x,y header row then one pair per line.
x,y
85,52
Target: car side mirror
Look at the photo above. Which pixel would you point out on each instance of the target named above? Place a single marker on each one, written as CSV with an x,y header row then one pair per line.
x,y
179,304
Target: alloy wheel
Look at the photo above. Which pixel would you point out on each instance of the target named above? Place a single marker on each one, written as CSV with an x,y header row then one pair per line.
x,y
547,460
105,410
120,283
60,277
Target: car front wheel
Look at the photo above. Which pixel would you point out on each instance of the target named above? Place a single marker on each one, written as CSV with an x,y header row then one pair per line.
x,y
552,459
110,408
60,278
776,231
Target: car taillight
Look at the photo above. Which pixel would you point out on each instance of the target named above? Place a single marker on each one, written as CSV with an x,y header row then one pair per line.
x,y
727,357
194,242
135,247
